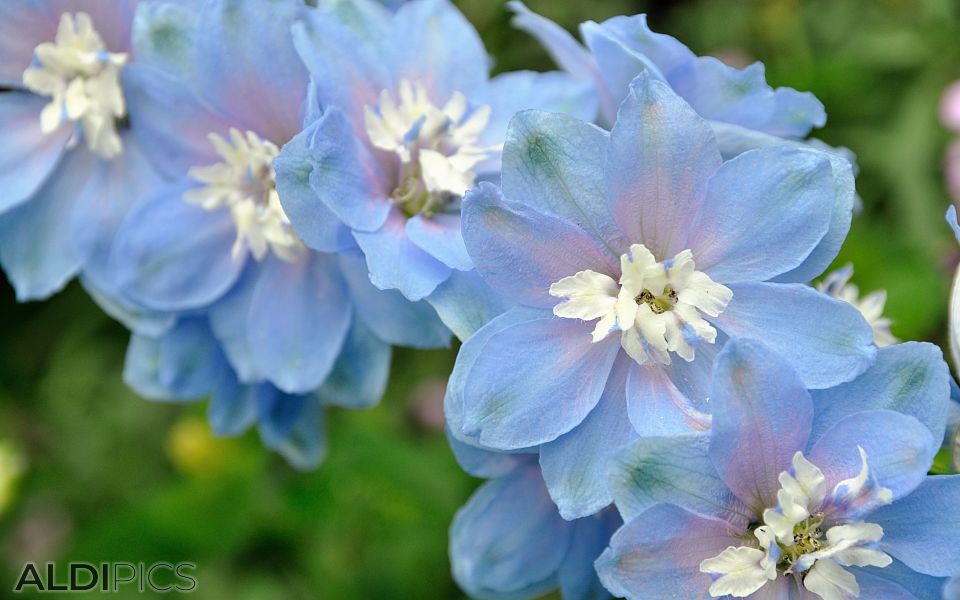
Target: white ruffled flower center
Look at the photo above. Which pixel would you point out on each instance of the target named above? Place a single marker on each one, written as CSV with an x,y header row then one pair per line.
x,y
82,79
438,148
796,540
657,306
837,284
245,182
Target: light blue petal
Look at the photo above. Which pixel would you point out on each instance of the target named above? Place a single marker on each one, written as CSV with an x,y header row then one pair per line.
x,y
508,540
170,254
676,470
312,220
520,252
658,554
432,43
578,578
534,381
229,318
899,450
370,19
666,56
306,447
795,113
660,158
346,70
554,164
618,64
921,530
915,585
872,586
951,590
389,315
184,364
826,340
396,263
760,403
113,188
909,378
845,201
694,379
23,26
719,92
344,176
137,320
765,211
453,408
299,317
715,90
36,250
359,377
509,93
563,48
190,359
657,407
440,237
277,414
28,156
488,464
247,66
234,406
465,303
574,465
293,426
734,140
164,37
569,56
141,368
174,140
952,221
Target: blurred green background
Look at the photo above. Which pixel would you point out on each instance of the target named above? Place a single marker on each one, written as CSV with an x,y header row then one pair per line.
x,y
92,473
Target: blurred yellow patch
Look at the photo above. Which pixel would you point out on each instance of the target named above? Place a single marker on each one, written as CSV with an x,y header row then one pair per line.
x,y
193,448
12,466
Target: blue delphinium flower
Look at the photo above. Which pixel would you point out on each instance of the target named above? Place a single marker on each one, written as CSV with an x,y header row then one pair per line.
x,y
410,121
670,250
793,494
509,542
69,165
215,240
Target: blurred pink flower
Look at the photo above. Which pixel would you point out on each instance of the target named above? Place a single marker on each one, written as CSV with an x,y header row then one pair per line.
x,y
950,107
950,116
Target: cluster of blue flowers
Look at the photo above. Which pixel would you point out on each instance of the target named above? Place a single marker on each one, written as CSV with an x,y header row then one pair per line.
x,y
271,194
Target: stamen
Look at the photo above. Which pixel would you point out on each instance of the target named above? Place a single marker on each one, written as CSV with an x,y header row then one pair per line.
x,y
837,284
657,306
437,147
82,79
245,182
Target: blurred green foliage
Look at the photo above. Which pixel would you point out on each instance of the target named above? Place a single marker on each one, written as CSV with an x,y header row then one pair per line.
x,y
107,476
